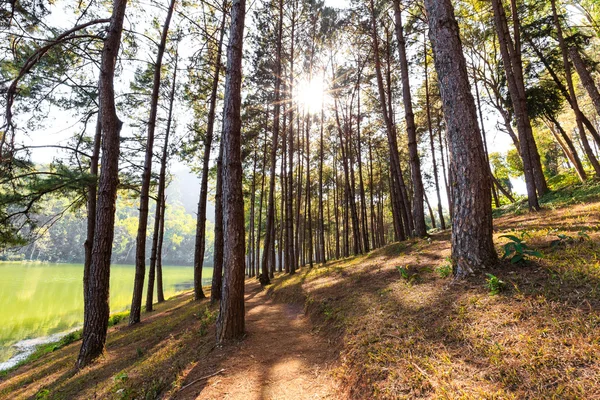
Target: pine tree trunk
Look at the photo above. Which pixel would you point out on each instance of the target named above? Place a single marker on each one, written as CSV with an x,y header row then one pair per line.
x,y
571,88
200,243
395,189
411,130
431,142
160,295
568,147
96,308
140,248
218,251
472,243
92,199
160,196
586,122
513,69
230,322
586,78
269,239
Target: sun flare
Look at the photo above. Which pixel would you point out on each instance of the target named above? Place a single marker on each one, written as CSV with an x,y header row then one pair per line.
x,y
310,94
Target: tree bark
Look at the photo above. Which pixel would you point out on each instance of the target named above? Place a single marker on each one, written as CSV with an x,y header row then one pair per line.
x,y
92,199
96,309
218,251
200,244
586,78
160,196
571,88
395,189
411,130
431,143
230,322
472,243
513,69
140,248
269,239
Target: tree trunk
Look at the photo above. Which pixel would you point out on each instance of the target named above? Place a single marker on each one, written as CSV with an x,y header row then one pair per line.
x,y
472,243
160,295
230,322
140,248
582,118
586,78
395,188
323,257
218,251
160,196
269,239
411,130
96,308
429,127
200,244
567,144
513,69
571,88
91,208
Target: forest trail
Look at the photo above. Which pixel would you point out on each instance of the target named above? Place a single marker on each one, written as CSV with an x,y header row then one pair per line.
x,y
280,358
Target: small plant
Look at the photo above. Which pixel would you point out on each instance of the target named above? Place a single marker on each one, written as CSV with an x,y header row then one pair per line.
x,y
121,377
405,273
562,240
139,352
582,236
494,284
517,250
42,394
444,270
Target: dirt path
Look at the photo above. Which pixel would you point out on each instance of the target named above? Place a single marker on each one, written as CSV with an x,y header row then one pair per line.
x,y
279,359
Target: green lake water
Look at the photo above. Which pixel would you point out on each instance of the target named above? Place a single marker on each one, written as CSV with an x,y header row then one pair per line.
x,y
39,300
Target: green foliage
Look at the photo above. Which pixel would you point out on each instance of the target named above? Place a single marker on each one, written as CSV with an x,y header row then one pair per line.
x,y
564,240
42,394
517,250
444,270
114,319
494,284
407,275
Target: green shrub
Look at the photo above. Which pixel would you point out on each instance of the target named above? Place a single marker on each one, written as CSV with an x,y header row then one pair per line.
x,y
517,250
494,284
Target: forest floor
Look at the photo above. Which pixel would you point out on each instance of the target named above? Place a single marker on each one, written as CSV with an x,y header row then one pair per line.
x,y
388,324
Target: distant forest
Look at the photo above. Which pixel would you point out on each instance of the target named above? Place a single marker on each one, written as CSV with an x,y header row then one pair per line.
x,y
60,235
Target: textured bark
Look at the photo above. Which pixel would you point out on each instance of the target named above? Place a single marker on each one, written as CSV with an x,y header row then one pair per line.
x,y
586,78
96,308
160,198
200,244
140,247
411,130
92,195
230,322
472,244
217,278
361,183
514,74
269,239
431,142
395,189
160,295
323,257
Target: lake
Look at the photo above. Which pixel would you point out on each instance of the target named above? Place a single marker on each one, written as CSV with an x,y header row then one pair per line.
x,y
41,301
